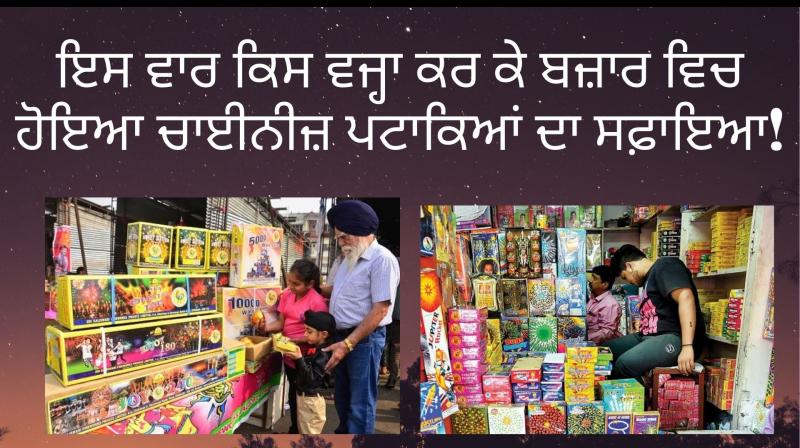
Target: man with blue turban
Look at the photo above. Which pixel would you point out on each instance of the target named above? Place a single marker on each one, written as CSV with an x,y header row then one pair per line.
x,y
362,286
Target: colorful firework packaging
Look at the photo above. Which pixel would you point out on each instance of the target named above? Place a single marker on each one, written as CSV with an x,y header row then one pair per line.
x,y
588,216
547,418
514,297
515,334
485,252
190,248
255,256
571,296
594,249
571,252
427,237
485,290
522,253
645,422
542,296
522,216
430,409
494,343
585,418
497,385
572,217
472,216
618,423
148,245
92,301
542,334
463,269
527,370
219,250
435,345
549,245
571,328
555,216
473,420
504,216
623,395
246,309
506,419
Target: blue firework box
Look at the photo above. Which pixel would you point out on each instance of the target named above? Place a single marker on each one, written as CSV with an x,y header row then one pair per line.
x,y
571,295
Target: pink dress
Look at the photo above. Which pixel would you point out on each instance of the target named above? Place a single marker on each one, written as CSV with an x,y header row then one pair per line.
x,y
293,312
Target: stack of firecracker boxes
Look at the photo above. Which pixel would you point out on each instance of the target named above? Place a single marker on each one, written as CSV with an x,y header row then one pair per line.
x,y
724,227
720,375
129,343
679,402
745,223
725,315
698,254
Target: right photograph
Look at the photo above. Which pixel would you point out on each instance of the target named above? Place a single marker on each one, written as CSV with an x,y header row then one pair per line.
x,y
596,319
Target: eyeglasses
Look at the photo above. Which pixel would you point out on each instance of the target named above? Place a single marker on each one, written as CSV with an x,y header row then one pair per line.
x,y
337,236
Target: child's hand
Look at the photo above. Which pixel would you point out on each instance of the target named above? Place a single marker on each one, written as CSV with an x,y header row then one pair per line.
x,y
296,354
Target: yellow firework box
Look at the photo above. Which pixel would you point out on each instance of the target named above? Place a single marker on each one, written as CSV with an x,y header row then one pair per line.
x,y
85,355
190,248
218,250
255,256
83,407
245,309
86,301
148,245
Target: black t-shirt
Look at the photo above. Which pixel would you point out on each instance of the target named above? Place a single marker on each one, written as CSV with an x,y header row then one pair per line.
x,y
659,310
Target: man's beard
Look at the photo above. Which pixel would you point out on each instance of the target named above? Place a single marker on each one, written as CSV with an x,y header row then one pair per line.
x,y
353,252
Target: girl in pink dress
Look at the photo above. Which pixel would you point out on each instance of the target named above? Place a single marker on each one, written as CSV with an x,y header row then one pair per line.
x,y
302,294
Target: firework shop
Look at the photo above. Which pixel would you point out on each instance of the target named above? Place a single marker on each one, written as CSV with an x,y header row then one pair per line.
x,y
590,319
152,306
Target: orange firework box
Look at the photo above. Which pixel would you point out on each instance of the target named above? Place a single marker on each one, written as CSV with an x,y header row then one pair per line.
x,y
148,245
190,248
218,250
255,255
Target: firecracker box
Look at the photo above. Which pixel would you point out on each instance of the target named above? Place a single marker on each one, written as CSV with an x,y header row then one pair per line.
x,y
468,377
553,396
506,419
148,245
534,385
542,296
527,370
542,334
515,334
465,341
218,250
430,408
255,255
579,370
464,353
86,301
582,354
494,343
624,395
467,314
579,391
190,248
571,328
456,328
498,397
618,422
553,376
471,420
571,295
553,362
80,408
468,389
547,418
246,309
467,365
85,355
467,400
551,386
585,418
527,396
645,422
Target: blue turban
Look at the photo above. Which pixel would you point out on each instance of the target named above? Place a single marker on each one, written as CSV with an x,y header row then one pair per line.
x,y
353,217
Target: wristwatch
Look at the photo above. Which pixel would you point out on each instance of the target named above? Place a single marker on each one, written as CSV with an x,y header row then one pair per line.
x,y
348,344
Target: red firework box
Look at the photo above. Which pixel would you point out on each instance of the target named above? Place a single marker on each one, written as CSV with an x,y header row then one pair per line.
x,y
468,365
462,315
497,382
469,400
464,353
468,377
527,370
465,341
547,418
468,389
456,328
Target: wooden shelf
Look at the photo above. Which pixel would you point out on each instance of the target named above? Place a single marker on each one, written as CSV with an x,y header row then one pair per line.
x,y
706,215
723,272
621,229
721,339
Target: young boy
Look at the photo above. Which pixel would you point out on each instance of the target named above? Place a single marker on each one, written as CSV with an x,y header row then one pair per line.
x,y
310,380
602,312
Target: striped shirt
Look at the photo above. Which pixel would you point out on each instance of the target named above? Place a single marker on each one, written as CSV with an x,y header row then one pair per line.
x,y
373,279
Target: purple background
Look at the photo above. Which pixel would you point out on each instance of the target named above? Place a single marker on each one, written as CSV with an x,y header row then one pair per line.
x,y
526,173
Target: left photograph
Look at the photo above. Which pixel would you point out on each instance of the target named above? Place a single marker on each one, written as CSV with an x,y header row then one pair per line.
x,y
222,315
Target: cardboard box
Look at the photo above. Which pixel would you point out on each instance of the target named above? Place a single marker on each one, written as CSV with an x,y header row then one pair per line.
x,y
478,315
468,377
468,389
255,255
467,400
547,418
527,370
506,419
190,248
472,420
645,422
85,355
465,341
456,328
551,396
582,354
542,334
218,255
585,418
618,422
553,376
83,407
500,396
256,347
625,395
245,308
576,370
518,387
148,245
571,295
527,396
467,365
464,353
515,334
554,362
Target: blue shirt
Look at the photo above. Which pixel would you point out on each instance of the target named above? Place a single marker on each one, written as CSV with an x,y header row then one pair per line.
x,y
373,279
